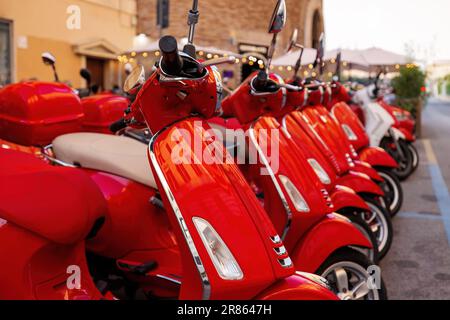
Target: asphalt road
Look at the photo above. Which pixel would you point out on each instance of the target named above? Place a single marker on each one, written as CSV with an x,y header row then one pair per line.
x,y
418,265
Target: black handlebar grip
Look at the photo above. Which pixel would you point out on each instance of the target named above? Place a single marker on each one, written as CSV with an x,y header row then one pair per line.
x,y
118,125
260,82
171,61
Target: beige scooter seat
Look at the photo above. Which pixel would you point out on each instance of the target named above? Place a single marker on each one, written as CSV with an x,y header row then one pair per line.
x,y
120,156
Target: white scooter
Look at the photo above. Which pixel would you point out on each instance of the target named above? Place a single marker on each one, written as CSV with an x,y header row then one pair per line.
x,y
379,127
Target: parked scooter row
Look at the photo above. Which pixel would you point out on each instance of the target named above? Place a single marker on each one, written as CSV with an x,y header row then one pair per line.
x,y
158,226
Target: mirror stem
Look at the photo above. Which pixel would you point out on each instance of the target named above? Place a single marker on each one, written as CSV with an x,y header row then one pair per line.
x,y
55,73
193,17
271,52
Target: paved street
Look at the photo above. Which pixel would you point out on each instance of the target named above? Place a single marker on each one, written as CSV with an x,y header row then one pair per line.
x,y
418,265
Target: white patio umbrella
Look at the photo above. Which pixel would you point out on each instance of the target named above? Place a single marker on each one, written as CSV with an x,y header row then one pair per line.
x,y
354,57
290,58
380,57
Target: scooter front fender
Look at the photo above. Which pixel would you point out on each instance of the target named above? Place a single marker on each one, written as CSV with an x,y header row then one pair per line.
x,y
366,168
360,183
344,198
332,233
377,157
298,288
408,135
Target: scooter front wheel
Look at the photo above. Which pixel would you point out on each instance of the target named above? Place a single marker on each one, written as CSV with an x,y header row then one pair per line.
x,y
379,221
365,229
352,276
415,156
393,190
405,163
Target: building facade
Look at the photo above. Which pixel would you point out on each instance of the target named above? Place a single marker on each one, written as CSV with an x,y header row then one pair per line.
x,y
235,25
79,33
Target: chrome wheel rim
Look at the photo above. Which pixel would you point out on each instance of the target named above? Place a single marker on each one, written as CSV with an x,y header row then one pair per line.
x,y
391,189
414,155
378,224
350,281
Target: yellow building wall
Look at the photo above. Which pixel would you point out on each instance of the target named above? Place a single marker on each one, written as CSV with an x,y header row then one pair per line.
x,y
43,23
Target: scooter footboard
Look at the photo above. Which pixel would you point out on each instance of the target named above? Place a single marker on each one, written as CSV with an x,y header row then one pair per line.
x,y
316,246
377,157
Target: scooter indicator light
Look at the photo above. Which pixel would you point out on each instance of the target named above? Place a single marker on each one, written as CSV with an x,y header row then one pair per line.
x,y
349,132
222,258
295,195
320,172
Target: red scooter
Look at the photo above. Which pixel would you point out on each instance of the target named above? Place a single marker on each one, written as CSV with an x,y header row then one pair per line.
x,y
335,174
212,248
292,194
356,134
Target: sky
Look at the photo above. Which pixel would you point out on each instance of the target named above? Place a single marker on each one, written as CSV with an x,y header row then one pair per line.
x,y
394,25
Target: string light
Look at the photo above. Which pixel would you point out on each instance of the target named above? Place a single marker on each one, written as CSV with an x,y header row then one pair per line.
x,y
145,54
201,53
133,54
209,55
157,53
289,68
311,66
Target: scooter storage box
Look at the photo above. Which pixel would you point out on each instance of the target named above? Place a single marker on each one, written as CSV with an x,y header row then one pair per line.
x,y
101,111
34,113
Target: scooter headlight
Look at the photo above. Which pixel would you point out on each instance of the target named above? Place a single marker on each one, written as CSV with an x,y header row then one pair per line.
x,y
349,132
222,258
295,195
320,172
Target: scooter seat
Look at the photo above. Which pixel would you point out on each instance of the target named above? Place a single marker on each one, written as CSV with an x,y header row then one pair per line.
x,y
120,156
62,205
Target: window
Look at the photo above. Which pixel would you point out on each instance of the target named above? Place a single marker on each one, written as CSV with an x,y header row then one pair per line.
x,y
5,53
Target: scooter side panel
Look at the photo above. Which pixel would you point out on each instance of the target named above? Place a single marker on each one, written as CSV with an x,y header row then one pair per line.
x,y
218,194
344,198
315,248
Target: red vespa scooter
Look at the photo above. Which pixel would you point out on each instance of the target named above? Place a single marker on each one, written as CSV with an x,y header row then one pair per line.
x,y
302,217
355,133
333,174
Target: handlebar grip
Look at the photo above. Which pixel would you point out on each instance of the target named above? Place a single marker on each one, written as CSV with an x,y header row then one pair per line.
x,y
171,61
260,82
118,125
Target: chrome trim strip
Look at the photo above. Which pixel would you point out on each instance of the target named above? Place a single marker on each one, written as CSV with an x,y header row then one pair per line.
x,y
283,199
281,251
276,239
168,279
206,285
54,160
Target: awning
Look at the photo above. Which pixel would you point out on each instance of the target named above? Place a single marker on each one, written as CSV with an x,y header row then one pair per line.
x,y
354,57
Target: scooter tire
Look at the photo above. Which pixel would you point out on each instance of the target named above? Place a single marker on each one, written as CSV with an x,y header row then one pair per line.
x,y
393,184
358,265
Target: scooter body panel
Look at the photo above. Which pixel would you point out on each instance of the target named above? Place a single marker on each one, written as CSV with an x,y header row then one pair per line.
x,y
316,247
346,198
218,194
34,113
100,111
377,157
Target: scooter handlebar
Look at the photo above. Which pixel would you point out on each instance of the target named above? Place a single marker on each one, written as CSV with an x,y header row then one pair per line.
x,y
171,61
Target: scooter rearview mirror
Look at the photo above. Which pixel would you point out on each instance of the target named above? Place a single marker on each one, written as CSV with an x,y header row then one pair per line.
x,y
278,20
293,40
277,24
135,79
48,59
86,75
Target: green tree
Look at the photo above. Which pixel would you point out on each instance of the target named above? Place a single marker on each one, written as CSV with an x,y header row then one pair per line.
x,y
408,86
